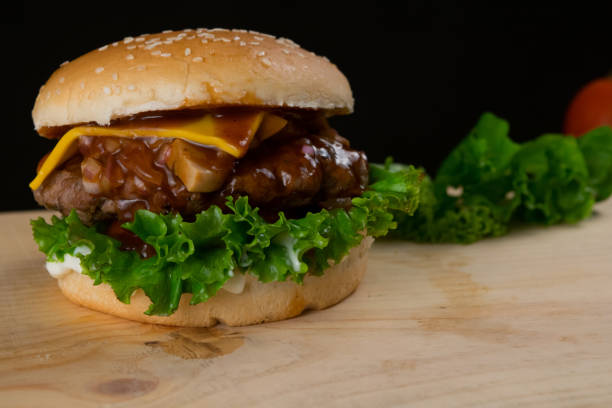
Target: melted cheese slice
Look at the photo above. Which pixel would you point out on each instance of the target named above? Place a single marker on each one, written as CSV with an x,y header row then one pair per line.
x,y
231,133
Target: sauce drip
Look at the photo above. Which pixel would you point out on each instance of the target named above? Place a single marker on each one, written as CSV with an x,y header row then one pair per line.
x,y
129,240
131,174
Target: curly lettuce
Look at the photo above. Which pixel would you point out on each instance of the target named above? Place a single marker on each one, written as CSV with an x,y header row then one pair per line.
x,y
489,181
199,257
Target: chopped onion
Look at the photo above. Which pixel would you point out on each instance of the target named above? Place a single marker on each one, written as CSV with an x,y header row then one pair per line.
x,y
91,170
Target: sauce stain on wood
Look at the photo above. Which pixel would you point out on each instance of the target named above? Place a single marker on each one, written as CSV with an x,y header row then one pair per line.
x,y
123,387
194,343
465,311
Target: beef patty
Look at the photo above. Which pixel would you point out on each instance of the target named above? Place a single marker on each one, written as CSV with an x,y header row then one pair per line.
x,y
290,171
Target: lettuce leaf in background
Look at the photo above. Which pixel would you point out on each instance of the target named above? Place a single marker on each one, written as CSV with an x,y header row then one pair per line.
x,y
462,221
488,181
199,257
552,181
596,147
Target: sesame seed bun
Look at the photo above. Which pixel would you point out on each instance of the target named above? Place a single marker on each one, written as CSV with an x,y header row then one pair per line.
x,y
189,69
258,302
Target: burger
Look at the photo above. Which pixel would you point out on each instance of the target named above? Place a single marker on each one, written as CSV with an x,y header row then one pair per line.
x,y
199,181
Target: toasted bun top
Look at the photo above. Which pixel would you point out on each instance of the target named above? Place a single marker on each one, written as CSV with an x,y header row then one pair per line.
x,y
189,69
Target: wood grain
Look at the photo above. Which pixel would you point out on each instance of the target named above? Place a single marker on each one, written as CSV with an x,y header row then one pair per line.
x,y
523,320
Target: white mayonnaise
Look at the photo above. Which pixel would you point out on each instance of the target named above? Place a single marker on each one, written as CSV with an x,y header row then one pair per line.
x,y
71,263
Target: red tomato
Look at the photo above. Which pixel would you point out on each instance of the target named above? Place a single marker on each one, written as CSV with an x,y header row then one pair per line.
x,y
590,108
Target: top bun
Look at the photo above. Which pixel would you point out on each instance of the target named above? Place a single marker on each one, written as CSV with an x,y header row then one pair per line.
x,y
189,69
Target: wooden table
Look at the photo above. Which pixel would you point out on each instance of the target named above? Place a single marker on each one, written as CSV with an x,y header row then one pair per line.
x,y
520,321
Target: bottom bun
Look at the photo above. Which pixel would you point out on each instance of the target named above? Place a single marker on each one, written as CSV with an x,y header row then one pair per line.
x,y
257,303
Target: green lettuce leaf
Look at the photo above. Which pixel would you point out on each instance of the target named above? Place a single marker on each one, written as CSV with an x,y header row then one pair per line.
x,y
552,181
596,146
489,181
199,257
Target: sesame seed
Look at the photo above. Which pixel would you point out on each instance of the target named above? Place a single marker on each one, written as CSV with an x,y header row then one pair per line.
x,y
140,39
206,35
129,57
165,54
168,42
152,40
103,48
261,53
166,31
153,45
198,59
116,43
258,38
131,47
61,80
115,76
266,61
128,40
187,30
64,63
107,90
286,41
254,43
217,29
237,38
156,52
99,69
187,52
131,87
238,30
191,37
286,51
242,43
181,35
141,67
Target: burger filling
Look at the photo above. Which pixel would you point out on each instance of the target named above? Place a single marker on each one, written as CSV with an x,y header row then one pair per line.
x,y
304,166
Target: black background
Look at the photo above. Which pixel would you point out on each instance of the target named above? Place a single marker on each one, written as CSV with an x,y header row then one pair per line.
x,y
421,74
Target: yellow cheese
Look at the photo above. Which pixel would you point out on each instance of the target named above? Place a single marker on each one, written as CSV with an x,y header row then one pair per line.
x,y
209,130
